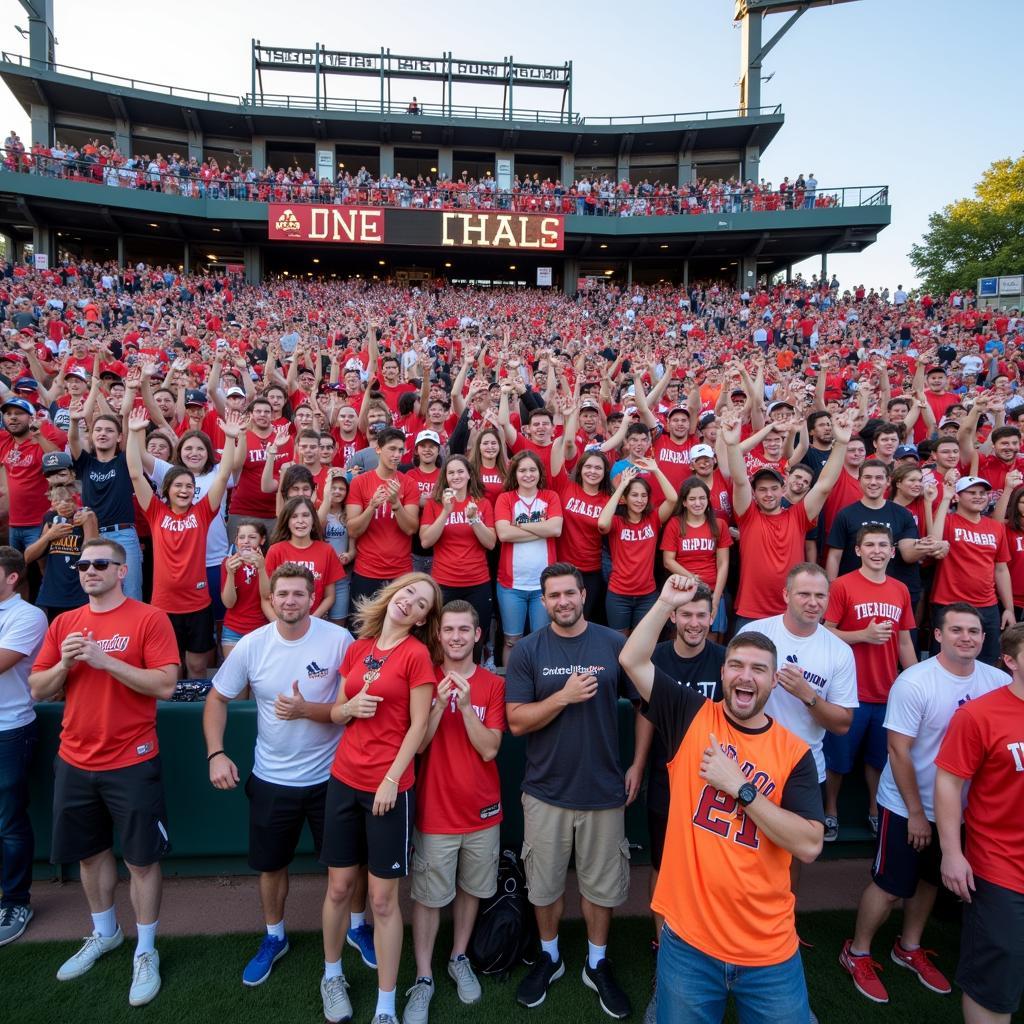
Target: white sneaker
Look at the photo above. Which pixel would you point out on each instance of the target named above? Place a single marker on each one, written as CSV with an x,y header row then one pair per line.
x,y
145,978
417,1007
334,993
460,970
94,947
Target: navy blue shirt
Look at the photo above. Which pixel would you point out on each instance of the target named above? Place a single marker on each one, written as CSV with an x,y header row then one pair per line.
x,y
106,488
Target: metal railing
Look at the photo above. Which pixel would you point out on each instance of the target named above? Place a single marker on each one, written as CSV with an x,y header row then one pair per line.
x,y
375,106
255,187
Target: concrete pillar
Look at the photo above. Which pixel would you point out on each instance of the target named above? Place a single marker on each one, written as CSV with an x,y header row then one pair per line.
x,y
186,258
752,163
387,160
789,273
684,169
570,272
45,240
120,250
445,161
42,123
568,174
259,153
824,266
629,273
195,146
324,161
747,273
622,167
686,273
253,257
504,177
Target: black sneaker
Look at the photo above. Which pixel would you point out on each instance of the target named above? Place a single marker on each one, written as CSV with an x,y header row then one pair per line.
x,y
613,1000
533,989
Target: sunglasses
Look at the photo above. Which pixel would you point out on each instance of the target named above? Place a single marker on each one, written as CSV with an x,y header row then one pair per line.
x,y
99,564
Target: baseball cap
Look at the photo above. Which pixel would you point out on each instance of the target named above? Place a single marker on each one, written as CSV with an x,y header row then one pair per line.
x,y
26,384
972,481
79,372
54,462
19,403
702,451
589,404
705,419
428,435
232,392
196,397
766,471
772,406
677,408
905,451
934,369
737,391
947,422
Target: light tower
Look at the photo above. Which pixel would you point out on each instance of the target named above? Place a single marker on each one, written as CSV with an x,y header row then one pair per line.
x,y
750,14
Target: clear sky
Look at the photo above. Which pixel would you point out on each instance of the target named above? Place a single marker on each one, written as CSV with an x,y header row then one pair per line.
x,y
919,96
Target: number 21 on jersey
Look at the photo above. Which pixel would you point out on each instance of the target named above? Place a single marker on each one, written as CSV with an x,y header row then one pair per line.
x,y
720,813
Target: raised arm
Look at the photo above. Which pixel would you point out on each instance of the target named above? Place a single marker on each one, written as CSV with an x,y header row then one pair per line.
x,y
841,431
138,421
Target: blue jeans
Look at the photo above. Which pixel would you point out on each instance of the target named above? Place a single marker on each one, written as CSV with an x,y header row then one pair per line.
x,y
129,540
22,537
693,987
17,844
516,605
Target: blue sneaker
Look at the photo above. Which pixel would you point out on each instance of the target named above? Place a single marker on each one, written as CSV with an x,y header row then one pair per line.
x,y
361,938
258,969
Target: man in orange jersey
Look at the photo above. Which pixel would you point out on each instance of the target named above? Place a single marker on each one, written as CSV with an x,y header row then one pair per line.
x,y
744,799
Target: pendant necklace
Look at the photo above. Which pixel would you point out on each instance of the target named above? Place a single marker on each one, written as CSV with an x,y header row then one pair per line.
x,y
373,665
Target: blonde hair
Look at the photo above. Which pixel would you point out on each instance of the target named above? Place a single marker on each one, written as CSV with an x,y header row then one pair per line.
x,y
371,611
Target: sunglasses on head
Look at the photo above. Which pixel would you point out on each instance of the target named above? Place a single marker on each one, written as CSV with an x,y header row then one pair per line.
x,y
99,564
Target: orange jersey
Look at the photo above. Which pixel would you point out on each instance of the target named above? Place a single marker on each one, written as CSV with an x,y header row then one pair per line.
x,y
724,886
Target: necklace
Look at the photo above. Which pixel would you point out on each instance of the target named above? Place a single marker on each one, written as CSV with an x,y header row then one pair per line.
x,y
373,664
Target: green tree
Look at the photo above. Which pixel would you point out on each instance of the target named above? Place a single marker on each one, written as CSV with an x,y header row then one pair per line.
x,y
982,236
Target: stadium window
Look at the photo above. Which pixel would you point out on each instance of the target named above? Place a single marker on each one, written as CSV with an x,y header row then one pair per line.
x,y
543,165
476,164
714,171
290,154
354,157
666,173
413,163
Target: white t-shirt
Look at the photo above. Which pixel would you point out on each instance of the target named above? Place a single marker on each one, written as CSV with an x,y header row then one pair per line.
x,y
297,752
217,535
22,628
921,703
828,666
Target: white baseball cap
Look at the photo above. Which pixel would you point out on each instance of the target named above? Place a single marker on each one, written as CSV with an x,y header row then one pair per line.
x,y
428,435
702,451
972,481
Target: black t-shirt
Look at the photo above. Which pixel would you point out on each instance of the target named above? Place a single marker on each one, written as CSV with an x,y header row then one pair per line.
x,y
574,760
106,488
672,710
61,587
816,459
843,535
703,674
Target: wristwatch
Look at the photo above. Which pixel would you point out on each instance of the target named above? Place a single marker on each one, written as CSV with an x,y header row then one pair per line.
x,y
746,794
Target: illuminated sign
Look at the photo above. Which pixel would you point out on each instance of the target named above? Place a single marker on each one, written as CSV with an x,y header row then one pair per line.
x,y
373,225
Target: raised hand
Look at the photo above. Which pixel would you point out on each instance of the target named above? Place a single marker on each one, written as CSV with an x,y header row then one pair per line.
x,y
138,419
678,590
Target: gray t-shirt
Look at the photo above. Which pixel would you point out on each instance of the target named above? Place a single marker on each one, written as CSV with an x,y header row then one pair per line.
x,y
574,760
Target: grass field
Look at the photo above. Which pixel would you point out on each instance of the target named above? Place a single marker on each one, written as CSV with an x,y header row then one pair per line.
x,y
202,982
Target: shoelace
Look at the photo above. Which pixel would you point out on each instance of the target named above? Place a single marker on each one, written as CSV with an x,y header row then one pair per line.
x,y
335,988
419,993
7,915
144,967
267,947
463,969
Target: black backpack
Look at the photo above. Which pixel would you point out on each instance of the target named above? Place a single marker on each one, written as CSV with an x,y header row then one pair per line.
x,y
505,933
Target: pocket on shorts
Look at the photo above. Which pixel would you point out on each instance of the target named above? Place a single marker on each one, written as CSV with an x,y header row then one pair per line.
x,y
624,859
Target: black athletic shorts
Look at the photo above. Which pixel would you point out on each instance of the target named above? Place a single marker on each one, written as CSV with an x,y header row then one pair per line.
x,y
657,827
353,834
991,968
276,816
898,867
193,630
89,806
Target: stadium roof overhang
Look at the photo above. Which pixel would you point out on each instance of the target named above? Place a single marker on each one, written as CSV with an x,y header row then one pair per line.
x,y
216,117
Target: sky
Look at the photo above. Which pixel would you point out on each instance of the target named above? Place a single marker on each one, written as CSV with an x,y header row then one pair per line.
x,y
914,95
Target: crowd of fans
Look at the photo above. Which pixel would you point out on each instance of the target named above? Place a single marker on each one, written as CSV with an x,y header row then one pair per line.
x,y
829,479
593,195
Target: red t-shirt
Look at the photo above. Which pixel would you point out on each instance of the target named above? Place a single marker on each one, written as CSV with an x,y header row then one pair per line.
x,y
697,551
384,551
939,404
967,573
26,485
179,555
246,614
460,560
769,547
457,791
854,602
106,724
845,492
248,499
543,452
674,459
994,470
320,558
391,396
425,483
1015,543
633,546
581,541
494,484
984,744
721,494
369,746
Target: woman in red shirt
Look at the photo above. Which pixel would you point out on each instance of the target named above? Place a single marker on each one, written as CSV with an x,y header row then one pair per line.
x,y
178,532
584,494
457,522
387,682
299,537
487,457
696,543
633,540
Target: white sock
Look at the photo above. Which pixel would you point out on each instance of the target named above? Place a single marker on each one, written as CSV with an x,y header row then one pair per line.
x,y
332,970
105,923
550,946
277,930
385,1002
595,954
358,920
147,938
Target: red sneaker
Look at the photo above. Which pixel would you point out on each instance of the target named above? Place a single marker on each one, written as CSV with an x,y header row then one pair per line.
x,y
864,972
917,961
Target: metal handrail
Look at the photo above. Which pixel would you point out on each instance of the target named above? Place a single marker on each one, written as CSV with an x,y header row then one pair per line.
x,y
443,194
440,110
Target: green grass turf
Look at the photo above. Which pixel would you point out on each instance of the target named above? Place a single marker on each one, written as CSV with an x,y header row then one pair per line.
x,y
202,981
